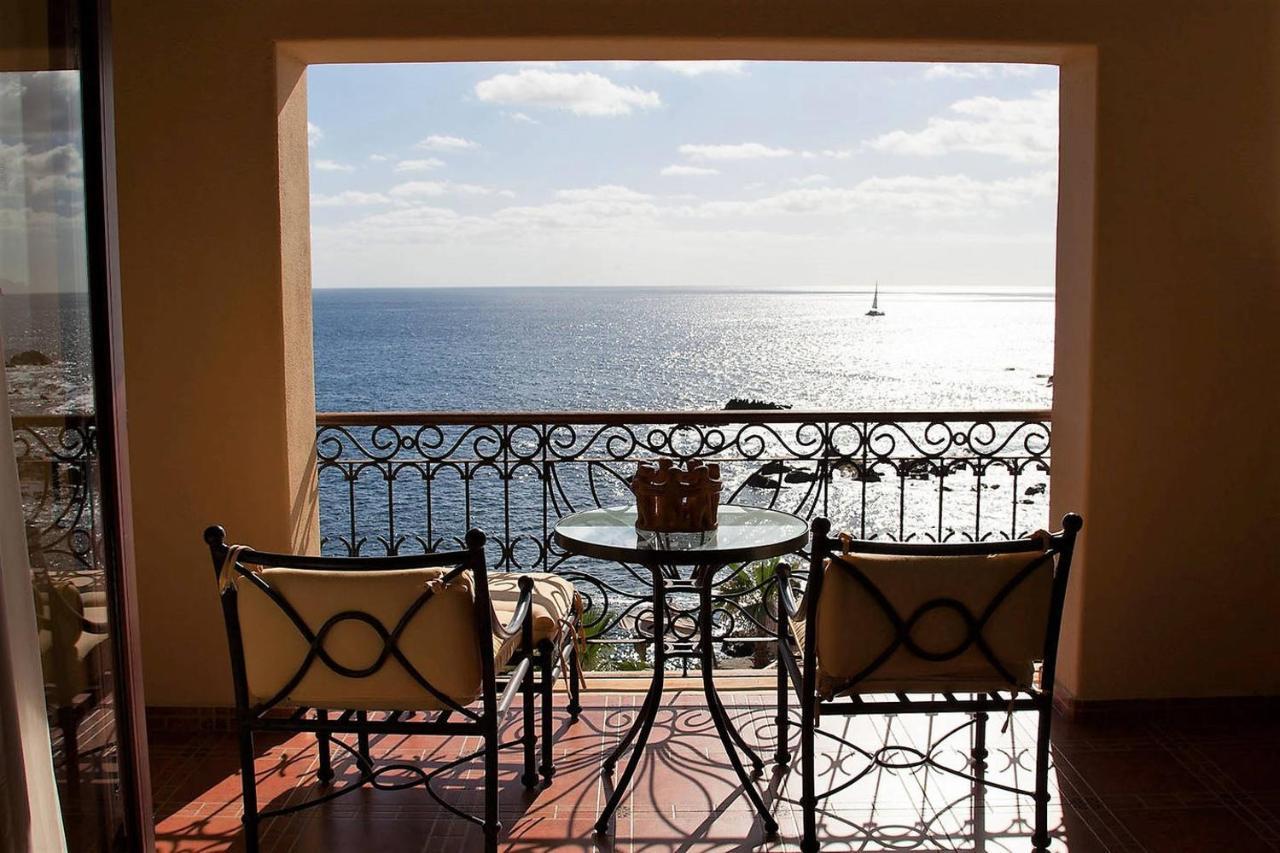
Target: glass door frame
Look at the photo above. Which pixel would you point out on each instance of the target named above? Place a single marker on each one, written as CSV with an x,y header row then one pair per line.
x,y
93,41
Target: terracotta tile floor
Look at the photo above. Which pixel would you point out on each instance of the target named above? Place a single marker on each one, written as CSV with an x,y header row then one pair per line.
x,y
1177,783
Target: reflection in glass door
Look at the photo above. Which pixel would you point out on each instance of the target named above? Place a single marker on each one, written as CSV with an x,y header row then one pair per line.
x,y
52,278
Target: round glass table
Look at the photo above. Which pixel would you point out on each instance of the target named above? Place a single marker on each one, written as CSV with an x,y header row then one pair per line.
x,y
745,534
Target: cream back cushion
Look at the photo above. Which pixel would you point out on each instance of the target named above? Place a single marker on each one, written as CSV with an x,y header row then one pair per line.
x,y
439,640
854,629
554,600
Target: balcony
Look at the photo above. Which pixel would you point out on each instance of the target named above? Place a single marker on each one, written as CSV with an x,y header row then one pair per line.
x,y
393,483
399,482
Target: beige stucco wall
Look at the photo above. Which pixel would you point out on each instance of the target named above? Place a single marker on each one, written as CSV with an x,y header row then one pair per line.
x,y
1165,403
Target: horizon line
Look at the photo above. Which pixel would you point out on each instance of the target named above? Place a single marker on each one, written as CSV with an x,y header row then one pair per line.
x,y
728,288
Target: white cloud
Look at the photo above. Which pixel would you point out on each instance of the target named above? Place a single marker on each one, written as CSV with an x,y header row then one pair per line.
x,y
379,158
698,67
584,214
435,189
314,134
812,179
583,93
441,142
350,198
332,166
419,165
741,151
48,181
523,118
617,209
677,169
838,153
606,192
926,197
979,70
1024,130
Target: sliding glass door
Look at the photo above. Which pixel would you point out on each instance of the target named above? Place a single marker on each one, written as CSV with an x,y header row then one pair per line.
x,y
58,285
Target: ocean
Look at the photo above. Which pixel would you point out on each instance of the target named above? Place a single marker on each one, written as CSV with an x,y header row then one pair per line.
x,y
601,349
604,349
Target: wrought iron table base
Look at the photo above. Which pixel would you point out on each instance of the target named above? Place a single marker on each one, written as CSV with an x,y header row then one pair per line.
x,y
704,650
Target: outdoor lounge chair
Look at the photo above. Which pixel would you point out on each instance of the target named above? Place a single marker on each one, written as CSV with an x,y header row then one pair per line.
x,y
73,654
424,644
972,625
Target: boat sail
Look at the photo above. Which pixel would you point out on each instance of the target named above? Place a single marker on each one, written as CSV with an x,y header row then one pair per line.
x,y
875,304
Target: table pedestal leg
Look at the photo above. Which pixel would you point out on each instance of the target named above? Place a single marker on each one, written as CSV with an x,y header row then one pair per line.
x,y
729,734
648,711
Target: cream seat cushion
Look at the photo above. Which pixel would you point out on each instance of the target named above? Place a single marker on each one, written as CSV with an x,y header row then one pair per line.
x,y
439,640
853,628
554,600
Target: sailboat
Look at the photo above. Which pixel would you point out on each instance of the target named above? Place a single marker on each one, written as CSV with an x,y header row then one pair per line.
x,y
875,304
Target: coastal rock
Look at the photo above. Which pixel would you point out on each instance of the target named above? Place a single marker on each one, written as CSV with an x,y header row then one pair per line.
x,y
1036,489
800,475
752,404
29,358
858,472
762,481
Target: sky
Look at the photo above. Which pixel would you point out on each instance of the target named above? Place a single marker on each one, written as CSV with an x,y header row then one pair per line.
x,y
42,242
715,173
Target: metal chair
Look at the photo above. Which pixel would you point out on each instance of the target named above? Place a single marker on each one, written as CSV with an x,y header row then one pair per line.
x,y
974,625
403,645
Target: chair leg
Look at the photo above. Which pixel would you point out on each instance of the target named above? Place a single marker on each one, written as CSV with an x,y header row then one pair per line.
x,y
1040,839
325,773
979,751
979,766
248,784
492,826
783,754
808,780
362,741
548,706
575,681
530,776
69,722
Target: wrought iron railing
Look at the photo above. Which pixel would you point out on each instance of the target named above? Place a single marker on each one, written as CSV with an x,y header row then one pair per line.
x,y
57,466
390,482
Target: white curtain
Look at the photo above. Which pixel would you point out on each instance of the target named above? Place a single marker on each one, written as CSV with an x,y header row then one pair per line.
x,y
30,818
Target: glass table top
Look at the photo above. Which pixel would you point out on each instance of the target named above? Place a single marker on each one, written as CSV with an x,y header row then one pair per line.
x,y
745,533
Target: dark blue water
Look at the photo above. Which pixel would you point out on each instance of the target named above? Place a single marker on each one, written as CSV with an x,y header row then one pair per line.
x,y
647,348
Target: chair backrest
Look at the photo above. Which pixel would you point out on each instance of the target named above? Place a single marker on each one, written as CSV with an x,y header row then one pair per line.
x,y
965,617
408,632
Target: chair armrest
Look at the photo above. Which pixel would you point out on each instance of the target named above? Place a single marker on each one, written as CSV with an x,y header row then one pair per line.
x,y
786,597
523,613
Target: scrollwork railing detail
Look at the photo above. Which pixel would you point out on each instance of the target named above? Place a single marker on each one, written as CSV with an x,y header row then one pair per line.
x,y
396,481
57,459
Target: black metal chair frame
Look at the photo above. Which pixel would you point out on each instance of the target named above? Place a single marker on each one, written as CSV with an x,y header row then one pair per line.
x,y
531,671
802,674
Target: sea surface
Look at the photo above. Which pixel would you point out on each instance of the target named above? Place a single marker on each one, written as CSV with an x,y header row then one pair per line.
x,y
594,349
597,349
